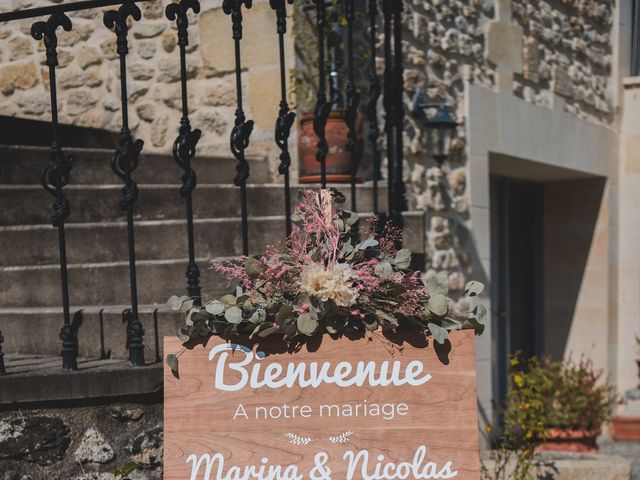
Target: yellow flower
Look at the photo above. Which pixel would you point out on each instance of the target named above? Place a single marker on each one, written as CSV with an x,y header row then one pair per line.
x,y
518,380
514,362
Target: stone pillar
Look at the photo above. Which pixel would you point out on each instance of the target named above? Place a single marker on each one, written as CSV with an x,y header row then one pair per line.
x,y
503,46
628,265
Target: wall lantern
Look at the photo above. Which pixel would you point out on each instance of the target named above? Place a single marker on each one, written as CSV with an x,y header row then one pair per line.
x,y
441,126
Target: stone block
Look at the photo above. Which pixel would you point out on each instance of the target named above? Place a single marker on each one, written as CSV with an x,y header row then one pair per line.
x,y
258,43
503,45
562,84
531,60
20,76
264,96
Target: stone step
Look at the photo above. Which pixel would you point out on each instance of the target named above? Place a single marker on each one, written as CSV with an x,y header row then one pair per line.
x,y
22,165
31,205
37,378
108,283
155,239
101,283
101,331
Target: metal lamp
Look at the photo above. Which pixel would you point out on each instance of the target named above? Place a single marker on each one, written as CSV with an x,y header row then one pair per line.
x,y
442,125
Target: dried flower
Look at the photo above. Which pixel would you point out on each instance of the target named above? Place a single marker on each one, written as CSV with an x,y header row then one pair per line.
x,y
333,283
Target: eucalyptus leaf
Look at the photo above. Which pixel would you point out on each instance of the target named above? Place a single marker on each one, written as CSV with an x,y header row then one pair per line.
x,y
183,336
215,307
440,334
297,217
306,324
254,267
233,315
174,302
350,217
384,269
392,320
172,361
438,305
473,288
228,300
265,332
403,259
481,314
284,313
439,284
368,243
187,305
258,316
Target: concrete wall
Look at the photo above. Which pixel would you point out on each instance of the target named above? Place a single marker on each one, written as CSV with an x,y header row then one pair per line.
x,y
509,136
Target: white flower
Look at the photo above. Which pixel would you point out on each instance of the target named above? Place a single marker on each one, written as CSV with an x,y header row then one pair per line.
x,y
335,283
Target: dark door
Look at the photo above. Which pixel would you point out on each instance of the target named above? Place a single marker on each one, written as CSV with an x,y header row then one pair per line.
x,y
516,272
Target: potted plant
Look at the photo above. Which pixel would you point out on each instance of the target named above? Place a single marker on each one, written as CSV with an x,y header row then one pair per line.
x,y
339,161
575,403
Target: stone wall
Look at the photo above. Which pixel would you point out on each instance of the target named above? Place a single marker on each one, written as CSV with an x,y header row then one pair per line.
x,y
567,51
82,442
548,52
88,75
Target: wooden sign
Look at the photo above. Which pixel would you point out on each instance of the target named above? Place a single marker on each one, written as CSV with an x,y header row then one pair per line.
x,y
338,410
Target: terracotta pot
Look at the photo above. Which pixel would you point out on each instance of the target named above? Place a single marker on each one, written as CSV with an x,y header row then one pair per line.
x,y
578,441
338,159
625,428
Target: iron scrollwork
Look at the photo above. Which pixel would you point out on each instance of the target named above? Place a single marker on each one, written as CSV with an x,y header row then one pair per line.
x,y
286,117
352,93
184,147
116,20
56,176
242,128
375,90
3,370
123,163
323,107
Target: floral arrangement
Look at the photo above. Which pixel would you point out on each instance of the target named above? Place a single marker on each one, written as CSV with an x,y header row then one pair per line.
x,y
321,282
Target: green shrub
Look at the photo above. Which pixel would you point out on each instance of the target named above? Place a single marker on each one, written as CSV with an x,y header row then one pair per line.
x,y
544,395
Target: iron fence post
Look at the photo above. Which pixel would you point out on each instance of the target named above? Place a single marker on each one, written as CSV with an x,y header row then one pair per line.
x,y
184,147
241,132
55,176
123,163
3,370
286,117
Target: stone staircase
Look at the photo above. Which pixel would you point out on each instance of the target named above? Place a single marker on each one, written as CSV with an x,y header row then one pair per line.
x,y
30,312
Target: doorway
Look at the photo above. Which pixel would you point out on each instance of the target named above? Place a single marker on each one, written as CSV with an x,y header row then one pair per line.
x,y
517,246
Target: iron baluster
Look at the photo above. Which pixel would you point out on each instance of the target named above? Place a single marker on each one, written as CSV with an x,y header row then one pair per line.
x,y
3,370
242,128
322,108
351,112
372,107
400,203
285,116
184,148
55,176
387,101
123,163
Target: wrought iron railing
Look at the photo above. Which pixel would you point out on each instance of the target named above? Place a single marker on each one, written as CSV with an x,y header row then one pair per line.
x,y
57,172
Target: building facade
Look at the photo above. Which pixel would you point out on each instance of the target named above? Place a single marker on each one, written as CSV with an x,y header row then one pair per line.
x,y
538,198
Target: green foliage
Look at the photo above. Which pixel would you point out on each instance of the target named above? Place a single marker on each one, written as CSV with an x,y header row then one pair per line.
x,y
324,282
544,395
121,473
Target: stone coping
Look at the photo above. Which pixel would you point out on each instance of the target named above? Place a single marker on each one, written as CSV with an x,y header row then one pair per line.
x,y
576,466
37,378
